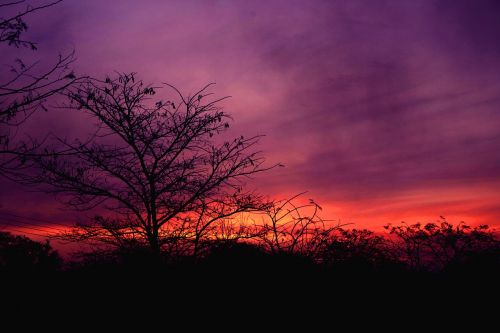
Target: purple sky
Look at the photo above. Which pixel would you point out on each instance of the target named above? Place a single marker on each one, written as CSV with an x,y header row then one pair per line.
x,y
383,110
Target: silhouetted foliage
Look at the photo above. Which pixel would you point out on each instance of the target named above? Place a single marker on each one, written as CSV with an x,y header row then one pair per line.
x,y
356,250
19,254
448,253
437,246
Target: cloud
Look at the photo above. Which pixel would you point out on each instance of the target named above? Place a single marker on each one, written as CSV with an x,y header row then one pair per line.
x,y
360,99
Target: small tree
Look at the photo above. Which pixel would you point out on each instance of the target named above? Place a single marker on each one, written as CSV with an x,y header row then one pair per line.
x,y
155,165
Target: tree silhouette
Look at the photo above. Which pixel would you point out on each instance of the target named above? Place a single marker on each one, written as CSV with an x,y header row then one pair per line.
x,y
27,87
155,165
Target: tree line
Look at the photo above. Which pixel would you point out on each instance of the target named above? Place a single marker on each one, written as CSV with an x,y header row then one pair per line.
x,y
433,248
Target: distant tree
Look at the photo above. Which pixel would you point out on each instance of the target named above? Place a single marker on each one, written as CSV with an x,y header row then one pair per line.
x,y
155,165
27,87
435,246
19,254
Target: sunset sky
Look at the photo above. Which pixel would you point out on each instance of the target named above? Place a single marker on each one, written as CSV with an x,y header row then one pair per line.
x,y
383,110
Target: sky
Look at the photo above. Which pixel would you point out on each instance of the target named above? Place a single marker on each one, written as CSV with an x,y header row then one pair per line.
x,y
382,110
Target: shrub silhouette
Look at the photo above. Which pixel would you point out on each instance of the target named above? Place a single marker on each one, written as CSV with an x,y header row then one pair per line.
x,y
19,254
440,246
357,250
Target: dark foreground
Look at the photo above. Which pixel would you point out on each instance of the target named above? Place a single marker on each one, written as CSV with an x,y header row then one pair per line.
x,y
245,271
235,278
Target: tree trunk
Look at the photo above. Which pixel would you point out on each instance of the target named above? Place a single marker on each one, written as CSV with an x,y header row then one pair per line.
x,y
154,245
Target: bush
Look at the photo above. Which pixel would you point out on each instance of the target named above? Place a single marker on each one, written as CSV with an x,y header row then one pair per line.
x,y
19,254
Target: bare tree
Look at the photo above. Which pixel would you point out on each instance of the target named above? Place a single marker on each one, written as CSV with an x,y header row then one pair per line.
x,y
154,164
27,87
